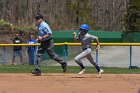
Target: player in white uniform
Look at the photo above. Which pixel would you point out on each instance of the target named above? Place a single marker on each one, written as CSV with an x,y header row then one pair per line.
x,y
86,40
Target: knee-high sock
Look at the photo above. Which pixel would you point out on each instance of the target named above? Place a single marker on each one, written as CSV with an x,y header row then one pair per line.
x,y
80,64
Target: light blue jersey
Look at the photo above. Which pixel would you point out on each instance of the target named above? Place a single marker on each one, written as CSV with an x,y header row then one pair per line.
x,y
44,29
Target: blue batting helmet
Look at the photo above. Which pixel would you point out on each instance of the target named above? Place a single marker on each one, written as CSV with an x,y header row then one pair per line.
x,y
84,27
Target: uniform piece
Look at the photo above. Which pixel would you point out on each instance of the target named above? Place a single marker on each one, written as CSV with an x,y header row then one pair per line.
x,y
47,44
86,40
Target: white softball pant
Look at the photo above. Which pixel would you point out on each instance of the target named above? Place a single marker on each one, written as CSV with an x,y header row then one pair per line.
x,y
86,53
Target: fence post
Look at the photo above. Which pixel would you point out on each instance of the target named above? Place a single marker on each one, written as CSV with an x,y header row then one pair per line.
x,y
130,57
97,56
4,56
65,51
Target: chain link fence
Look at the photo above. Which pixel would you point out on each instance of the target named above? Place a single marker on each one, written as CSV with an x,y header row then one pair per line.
x,y
108,56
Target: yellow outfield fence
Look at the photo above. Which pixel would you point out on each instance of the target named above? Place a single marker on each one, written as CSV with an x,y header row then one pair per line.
x,y
75,44
110,54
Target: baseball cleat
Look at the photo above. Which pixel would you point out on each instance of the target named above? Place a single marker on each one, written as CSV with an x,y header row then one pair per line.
x,y
36,72
100,73
82,71
64,67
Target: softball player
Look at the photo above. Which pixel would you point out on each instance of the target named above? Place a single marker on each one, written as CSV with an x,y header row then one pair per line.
x,y
86,40
47,44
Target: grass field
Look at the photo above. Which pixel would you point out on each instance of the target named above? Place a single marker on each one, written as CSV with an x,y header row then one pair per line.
x,y
71,69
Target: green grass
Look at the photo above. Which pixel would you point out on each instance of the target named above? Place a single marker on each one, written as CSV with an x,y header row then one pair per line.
x,y
71,69
5,25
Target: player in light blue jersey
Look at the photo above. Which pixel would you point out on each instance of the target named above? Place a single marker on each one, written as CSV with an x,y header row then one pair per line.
x,y
47,44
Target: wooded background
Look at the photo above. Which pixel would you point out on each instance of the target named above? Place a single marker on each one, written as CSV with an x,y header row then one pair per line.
x,y
104,15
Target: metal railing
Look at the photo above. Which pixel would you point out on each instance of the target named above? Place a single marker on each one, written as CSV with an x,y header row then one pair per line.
x,y
66,44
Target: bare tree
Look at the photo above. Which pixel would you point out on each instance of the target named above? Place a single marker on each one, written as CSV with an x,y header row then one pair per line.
x,y
66,14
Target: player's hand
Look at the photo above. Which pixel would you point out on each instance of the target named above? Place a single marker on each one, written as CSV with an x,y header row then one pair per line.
x,y
97,47
74,33
39,38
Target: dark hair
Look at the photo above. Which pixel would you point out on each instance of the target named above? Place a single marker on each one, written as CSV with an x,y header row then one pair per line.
x,y
38,16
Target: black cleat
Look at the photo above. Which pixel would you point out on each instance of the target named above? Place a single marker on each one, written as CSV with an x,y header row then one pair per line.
x,y
36,72
64,67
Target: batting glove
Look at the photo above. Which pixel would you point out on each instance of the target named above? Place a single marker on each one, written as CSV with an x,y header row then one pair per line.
x,y
97,47
74,33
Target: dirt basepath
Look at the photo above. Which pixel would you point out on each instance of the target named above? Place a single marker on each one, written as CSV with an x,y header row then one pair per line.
x,y
69,83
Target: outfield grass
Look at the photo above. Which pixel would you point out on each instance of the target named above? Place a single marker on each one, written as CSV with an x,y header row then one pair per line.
x,y
71,69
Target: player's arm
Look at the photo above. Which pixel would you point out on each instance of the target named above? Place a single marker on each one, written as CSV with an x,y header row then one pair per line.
x,y
97,41
75,36
47,33
45,36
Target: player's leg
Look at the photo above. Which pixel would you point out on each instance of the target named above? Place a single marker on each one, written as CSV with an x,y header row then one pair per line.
x,y
34,57
91,60
29,57
79,62
54,56
14,56
20,55
57,58
39,55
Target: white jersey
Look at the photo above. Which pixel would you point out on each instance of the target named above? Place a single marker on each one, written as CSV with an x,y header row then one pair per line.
x,y
86,40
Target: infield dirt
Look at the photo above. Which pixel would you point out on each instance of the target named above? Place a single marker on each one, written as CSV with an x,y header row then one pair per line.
x,y
69,83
